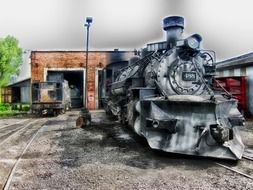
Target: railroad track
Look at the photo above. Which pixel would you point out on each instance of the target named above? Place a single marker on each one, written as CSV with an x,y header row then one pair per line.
x,y
13,132
246,172
13,124
38,124
19,122
247,157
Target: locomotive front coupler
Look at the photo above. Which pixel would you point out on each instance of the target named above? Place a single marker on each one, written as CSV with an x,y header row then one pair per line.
x,y
202,135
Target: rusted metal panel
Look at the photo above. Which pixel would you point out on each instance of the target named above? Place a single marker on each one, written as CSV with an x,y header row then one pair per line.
x,y
6,93
50,97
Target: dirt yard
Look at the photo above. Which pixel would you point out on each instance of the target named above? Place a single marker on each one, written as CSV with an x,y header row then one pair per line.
x,y
109,156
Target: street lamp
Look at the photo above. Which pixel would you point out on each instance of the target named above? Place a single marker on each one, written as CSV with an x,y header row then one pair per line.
x,y
84,118
87,25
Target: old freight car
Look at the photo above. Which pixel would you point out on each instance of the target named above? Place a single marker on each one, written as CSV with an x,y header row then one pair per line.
x,y
50,97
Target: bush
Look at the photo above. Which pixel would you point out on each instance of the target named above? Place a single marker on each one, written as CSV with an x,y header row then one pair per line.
x,y
5,107
21,107
7,110
18,107
25,107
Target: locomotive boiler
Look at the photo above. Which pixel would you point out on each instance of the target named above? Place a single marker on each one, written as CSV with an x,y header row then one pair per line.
x,y
167,96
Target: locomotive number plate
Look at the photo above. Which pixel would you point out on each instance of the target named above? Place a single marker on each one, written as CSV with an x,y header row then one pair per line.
x,y
189,76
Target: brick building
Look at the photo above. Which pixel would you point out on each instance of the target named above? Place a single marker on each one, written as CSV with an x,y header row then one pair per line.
x,y
72,65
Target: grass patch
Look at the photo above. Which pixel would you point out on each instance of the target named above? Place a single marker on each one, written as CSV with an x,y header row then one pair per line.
x,y
14,109
21,107
5,107
9,113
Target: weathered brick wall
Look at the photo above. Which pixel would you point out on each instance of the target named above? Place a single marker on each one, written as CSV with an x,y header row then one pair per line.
x,y
73,59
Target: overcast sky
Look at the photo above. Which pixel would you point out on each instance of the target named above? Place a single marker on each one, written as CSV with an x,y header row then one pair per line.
x,y
225,25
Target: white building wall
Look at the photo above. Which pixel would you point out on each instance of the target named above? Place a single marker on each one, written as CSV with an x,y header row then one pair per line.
x,y
226,73
243,71
25,94
237,72
249,71
231,72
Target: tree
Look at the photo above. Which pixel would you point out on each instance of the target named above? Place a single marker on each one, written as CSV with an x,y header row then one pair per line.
x,y
10,59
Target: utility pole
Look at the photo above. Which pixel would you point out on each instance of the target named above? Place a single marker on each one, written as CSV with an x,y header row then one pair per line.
x,y
87,25
84,118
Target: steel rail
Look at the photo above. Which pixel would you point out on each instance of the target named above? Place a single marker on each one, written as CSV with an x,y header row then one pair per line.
x,y
234,170
19,122
18,130
247,157
11,174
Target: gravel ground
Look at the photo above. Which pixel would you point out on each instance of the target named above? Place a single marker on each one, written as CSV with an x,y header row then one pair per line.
x,y
109,156
11,121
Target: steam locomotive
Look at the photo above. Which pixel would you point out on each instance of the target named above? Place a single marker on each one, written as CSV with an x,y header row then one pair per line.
x,y
167,95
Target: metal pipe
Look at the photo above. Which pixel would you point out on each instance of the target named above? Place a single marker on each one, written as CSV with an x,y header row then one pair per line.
x,y
86,67
174,26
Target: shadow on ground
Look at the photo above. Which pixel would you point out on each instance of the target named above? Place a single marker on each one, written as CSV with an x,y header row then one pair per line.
x,y
107,142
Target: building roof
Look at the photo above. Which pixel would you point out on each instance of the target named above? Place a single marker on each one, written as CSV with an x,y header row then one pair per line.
x,y
236,62
24,69
24,82
82,50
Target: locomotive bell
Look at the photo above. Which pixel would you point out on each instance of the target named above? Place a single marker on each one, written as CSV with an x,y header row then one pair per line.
x,y
174,26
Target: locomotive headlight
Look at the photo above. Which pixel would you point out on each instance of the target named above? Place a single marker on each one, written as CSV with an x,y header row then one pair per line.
x,y
193,41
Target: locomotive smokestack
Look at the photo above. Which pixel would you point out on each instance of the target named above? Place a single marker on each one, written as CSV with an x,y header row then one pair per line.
x,y
174,26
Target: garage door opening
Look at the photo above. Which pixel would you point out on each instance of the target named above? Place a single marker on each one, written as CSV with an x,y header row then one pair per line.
x,y
76,83
16,95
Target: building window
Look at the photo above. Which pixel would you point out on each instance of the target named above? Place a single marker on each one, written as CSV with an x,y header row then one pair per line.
x,y
231,72
220,73
237,72
249,71
243,71
226,73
